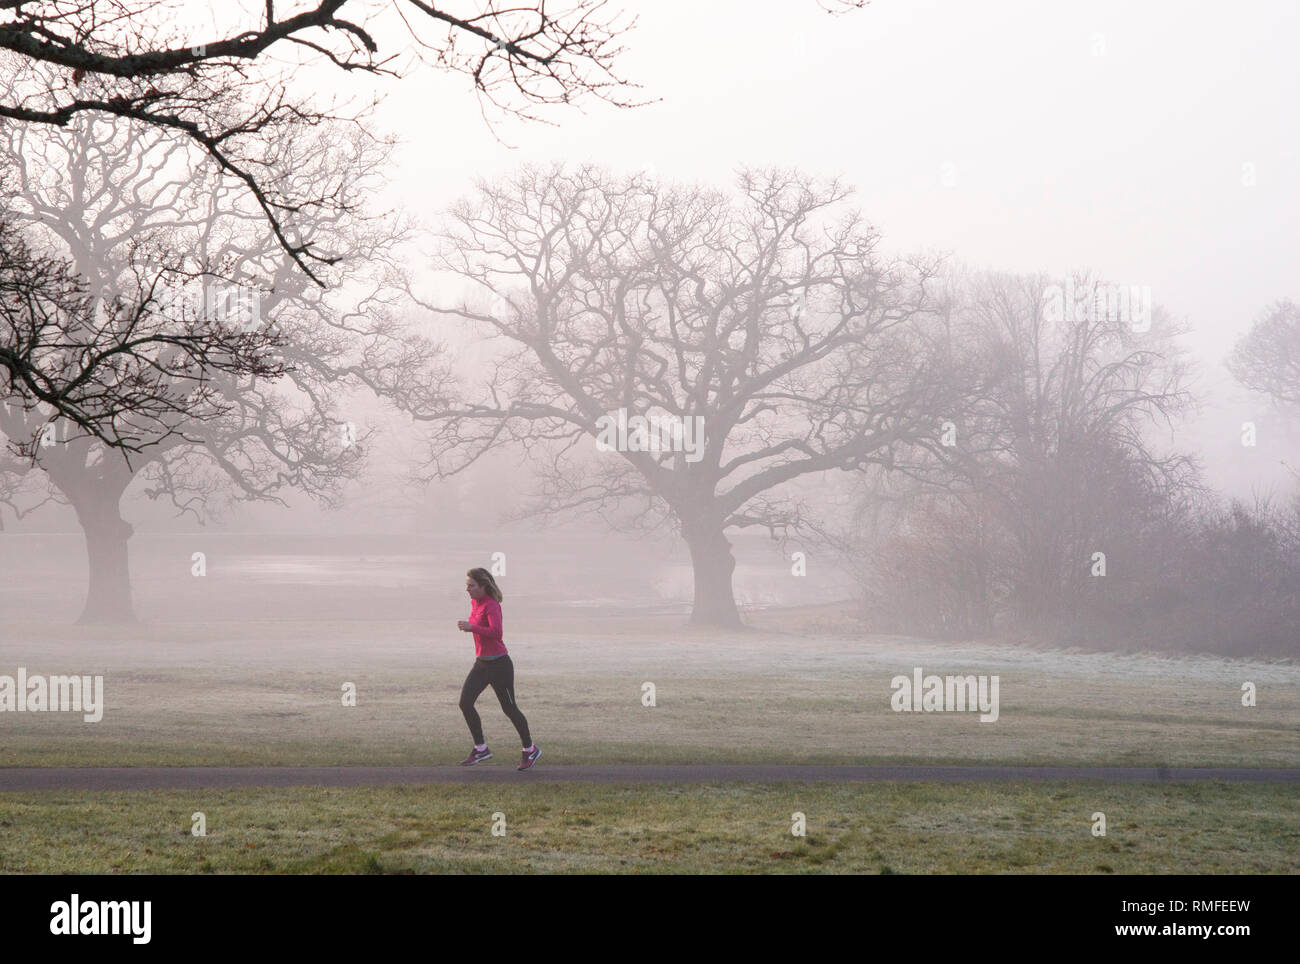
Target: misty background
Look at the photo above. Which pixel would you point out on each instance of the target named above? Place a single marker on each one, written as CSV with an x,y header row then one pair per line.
x,y
1147,145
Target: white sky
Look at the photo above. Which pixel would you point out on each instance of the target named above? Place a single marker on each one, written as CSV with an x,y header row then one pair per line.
x,y
1107,135
1130,162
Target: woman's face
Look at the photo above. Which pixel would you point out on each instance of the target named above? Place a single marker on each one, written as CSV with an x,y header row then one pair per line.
x,y
473,588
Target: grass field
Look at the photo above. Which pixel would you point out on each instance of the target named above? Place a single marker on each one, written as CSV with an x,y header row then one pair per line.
x,y
269,692
792,690
875,828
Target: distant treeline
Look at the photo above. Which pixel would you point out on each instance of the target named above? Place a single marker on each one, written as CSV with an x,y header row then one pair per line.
x,y
1203,577
1050,517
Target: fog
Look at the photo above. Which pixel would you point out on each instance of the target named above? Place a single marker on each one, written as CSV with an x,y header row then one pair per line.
x,y
1148,146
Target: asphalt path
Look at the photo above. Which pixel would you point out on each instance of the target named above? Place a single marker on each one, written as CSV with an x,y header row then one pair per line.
x,y
503,771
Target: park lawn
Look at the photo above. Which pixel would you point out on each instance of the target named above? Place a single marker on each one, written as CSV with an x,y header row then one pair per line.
x,y
265,692
1016,827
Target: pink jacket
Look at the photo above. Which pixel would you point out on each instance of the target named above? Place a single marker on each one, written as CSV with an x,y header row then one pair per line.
x,y
485,623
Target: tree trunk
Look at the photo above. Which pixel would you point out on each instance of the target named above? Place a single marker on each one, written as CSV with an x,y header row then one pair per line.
x,y
713,563
108,598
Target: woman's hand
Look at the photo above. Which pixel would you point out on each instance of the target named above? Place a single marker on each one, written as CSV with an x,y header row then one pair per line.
x,y
463,626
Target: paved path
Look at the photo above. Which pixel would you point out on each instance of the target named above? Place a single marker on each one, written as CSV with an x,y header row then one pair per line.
x,y
187,778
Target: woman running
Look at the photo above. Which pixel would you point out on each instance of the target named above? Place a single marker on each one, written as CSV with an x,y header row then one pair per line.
x,y
492,667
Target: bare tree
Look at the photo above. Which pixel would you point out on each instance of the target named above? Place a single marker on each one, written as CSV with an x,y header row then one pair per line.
x,y
1084,388
113,366
125,213
223,81
223,85
1056,457
768,320
1267,358
23,488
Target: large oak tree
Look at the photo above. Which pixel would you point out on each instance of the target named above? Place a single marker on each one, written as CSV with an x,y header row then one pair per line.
x,y
770,313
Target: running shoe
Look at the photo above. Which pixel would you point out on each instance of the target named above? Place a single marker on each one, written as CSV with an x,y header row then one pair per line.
x,y
476,756
529,757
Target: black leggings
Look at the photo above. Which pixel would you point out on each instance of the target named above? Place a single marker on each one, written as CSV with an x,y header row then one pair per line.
x,y
498,673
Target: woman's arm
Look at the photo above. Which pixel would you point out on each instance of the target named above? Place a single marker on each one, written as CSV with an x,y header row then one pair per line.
x,y
492,629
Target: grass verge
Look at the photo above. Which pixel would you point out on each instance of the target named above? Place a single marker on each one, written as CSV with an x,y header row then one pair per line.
x,y
1019,827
